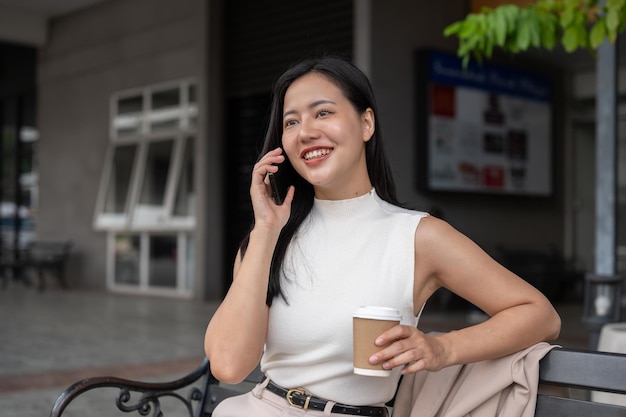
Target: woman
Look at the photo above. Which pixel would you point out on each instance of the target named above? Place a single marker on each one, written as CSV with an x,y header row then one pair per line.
x,y
341,240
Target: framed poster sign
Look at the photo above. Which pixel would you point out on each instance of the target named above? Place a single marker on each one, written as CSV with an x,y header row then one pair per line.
x,y
484,128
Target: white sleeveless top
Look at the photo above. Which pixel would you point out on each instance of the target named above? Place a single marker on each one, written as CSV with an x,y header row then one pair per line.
x,y
346,254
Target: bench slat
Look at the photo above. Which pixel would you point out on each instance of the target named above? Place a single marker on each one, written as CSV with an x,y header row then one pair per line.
x,y
548,406
600,371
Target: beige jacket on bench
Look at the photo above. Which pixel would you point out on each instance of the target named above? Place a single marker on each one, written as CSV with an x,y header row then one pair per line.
x,y
505,387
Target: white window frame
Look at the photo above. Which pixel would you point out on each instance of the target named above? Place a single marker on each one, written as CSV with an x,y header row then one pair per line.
x,y
148,220
184,285
159,218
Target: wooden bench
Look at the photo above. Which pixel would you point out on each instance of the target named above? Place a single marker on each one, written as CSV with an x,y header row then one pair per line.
x,y
40,256
567,371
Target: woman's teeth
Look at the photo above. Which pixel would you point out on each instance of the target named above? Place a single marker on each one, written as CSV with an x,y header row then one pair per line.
x,y
316,154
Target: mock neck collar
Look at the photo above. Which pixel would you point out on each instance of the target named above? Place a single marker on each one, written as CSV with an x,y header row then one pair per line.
x,y
347,207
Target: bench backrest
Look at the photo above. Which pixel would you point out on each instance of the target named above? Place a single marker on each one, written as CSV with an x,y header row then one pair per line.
x,y
49,250
584,371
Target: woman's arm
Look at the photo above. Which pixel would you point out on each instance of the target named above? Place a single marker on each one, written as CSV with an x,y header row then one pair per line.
x,y
520,315
235,337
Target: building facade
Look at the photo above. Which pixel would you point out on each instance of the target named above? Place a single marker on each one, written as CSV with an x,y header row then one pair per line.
x,y
150,114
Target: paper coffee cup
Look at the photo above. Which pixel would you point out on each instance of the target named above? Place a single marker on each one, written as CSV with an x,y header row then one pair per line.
x,y
369,322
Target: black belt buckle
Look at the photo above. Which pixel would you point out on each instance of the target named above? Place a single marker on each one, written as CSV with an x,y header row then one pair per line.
x,y
300,391
298,398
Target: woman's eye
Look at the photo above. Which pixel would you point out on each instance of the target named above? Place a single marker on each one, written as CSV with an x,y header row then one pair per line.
x,y
323,113
290,123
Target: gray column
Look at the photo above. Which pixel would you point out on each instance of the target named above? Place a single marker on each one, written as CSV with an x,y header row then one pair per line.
x,y
606,159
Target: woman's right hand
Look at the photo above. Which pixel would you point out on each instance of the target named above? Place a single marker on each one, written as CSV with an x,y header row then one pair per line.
x,y
266,212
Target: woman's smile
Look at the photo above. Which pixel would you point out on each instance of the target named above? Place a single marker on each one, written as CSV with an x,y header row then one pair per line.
x,y
316,155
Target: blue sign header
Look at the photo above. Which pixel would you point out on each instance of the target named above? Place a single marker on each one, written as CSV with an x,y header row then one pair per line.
x,y
448,69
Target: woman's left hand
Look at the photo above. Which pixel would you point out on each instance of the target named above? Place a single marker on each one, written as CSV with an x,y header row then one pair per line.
x,y
410,348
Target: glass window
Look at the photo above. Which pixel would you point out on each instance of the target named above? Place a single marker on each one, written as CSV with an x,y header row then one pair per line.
x,y
126,259
166,99
130,105
127,120
150,173
120,179
165,112
156,173
185,196
163,261
147,198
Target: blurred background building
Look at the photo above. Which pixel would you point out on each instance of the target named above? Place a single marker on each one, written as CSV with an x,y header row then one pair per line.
x,y
129,127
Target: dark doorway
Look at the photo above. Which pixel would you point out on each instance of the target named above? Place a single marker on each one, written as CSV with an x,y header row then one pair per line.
x,y
18,137
17,131
261,39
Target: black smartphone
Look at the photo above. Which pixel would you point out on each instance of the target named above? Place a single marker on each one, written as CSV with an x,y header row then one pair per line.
x,y
278,192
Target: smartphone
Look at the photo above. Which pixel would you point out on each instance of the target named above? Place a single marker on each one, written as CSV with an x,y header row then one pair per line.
x,y
278,194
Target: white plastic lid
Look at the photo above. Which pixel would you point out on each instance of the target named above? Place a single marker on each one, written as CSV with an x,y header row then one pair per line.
x,y
372,372
377,313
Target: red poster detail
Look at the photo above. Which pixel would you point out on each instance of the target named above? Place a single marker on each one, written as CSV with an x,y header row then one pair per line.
x,y
442,100
493,176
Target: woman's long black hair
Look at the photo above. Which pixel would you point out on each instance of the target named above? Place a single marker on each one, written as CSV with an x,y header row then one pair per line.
x,y
358,90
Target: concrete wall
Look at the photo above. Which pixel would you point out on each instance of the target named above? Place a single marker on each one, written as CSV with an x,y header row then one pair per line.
x,y
114,46
399,27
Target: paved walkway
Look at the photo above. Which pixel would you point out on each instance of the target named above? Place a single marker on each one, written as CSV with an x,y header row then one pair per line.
x,y
51,339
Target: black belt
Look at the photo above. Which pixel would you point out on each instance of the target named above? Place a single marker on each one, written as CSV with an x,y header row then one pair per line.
x,y
298,398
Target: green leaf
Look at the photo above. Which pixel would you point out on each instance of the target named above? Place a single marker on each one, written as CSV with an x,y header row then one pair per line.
x,y
612,20
543,23
489,26
548,29
597,34
616,4
523,36
463,49
535,31
510,13
567,17
500,26
570,4
466,59
580,16
570,40
581,35
468,29
453,29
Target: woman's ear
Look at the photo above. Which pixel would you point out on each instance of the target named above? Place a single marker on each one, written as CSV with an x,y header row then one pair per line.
x,y
368,121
